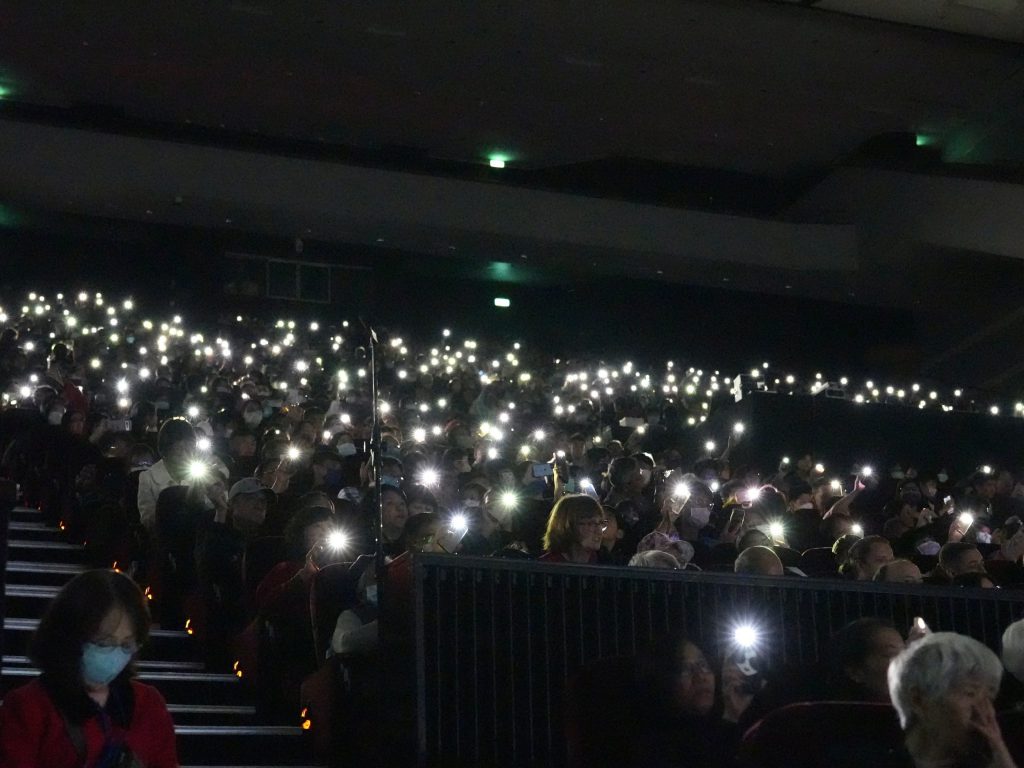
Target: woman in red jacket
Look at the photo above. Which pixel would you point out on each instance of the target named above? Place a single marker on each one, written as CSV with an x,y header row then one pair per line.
x,y
85,710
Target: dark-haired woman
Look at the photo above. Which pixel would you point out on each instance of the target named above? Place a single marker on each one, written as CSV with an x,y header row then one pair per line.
x,y
85,709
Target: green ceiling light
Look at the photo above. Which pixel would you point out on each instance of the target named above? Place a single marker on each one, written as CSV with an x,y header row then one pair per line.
x,y
924,140
501,301
5,91
497,160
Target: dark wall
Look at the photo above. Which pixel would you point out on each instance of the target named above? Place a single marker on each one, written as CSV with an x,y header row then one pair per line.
x,y
845,435
569,312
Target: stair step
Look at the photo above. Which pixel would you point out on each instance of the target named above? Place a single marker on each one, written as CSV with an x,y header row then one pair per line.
x,y
36,532
212,745
144,665
29,600
212,714
166,644
176,687
42,574
45,551
26,515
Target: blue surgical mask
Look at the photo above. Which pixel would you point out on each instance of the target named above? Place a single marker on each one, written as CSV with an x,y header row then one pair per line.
x,y
102,663
394,482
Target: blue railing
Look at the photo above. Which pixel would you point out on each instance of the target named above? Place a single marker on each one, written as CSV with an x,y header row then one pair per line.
x,y
499,640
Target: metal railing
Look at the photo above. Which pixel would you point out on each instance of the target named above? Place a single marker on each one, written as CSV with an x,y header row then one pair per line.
x,y
499,640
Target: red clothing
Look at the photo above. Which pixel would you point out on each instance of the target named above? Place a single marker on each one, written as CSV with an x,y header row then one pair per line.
x,y
33,733
281,593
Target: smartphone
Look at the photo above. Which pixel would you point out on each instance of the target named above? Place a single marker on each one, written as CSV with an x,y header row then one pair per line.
x,y
542,470
735,520
631,421
750,665
119,425
450,538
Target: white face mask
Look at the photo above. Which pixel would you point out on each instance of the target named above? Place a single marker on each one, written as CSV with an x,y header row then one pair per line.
x,y
700,516
471,503
346,449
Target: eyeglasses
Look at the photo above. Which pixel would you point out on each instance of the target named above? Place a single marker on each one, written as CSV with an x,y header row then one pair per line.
x,y
129,646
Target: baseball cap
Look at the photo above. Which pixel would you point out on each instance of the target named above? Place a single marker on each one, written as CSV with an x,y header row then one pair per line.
x,y
247,486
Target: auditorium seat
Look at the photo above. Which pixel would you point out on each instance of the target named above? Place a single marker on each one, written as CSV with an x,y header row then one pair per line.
x,y
818,561
1004,573
598,688
827,733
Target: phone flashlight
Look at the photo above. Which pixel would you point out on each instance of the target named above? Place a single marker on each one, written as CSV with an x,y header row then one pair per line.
x,y
193,411
819,468
197,470
681,491
776,530
430,477
337,540
857,530
460,523
866,471
966,519
837,486
509,499
293,453
203,444
419,435
752,494
745,636
714,485
709,446
920,625
738,428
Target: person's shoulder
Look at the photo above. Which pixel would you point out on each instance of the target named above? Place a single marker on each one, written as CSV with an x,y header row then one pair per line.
x,y
29,698
28,692
147,696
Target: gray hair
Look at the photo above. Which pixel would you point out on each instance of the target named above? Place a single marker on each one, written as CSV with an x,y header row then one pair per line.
x,y
936,664
654,558
1013,649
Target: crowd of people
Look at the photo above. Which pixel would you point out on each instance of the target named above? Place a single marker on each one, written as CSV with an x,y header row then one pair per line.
x,y
229,473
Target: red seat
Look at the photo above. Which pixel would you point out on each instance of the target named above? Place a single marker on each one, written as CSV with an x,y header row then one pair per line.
x,y
836,734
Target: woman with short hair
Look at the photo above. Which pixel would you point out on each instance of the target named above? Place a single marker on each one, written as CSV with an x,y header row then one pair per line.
x,y
943,687
575,527
86,708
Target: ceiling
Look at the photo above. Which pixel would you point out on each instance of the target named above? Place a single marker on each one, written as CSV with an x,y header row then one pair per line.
x,y
773,89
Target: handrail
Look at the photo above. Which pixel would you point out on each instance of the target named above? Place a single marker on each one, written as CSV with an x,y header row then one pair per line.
x,y
499,642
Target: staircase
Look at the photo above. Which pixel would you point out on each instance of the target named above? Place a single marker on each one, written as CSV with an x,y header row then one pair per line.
x,y
214,715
